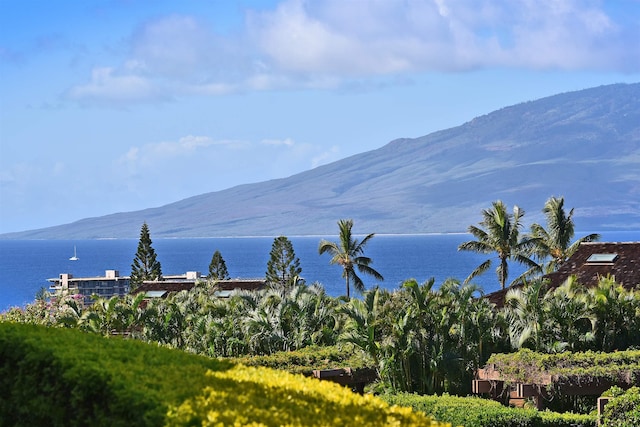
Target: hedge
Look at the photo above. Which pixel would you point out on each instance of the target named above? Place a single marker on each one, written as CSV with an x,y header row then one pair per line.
x,y
65,377
479,412
567,367
623,410
55,376
307,359
249,393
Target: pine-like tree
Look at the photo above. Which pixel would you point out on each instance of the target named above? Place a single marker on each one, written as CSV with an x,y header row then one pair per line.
x,y
217,267
283,268
145,265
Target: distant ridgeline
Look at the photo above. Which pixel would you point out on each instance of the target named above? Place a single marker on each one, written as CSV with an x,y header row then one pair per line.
x,y
584,146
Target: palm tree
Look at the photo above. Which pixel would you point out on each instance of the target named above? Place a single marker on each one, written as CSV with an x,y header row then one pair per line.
x,y
526,315
571,317
501,235
349,254
362,318
555,241
614,308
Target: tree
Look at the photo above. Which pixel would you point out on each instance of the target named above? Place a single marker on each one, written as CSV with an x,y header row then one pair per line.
x,y
349,254
616,311
43,294
570,317
217,267
501,235
362,320
555,241
283,268
145,265
526,315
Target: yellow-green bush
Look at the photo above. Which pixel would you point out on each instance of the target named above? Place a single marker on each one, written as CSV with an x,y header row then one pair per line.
x,y
64,377
256,396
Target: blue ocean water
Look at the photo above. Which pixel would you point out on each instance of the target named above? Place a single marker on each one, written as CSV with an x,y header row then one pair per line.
x,y
25,265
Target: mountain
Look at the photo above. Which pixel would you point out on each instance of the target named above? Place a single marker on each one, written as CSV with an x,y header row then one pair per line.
x,y
582,145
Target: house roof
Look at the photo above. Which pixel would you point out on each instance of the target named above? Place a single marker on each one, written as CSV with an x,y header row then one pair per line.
x,y
593,260
597,259
168,286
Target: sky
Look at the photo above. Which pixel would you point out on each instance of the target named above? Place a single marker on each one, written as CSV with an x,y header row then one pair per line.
x,y
119,105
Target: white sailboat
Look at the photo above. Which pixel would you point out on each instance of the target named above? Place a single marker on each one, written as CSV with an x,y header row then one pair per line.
x,y
75,256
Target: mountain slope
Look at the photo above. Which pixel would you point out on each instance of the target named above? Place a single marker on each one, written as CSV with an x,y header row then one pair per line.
x,y
582,145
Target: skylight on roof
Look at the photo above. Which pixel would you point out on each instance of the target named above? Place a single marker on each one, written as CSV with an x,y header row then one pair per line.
x,y
602,258
155,294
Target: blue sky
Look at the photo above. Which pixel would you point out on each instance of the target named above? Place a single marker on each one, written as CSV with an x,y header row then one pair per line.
x,y
120,105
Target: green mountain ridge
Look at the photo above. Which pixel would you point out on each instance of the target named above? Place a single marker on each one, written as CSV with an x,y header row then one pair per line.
x,y
582,145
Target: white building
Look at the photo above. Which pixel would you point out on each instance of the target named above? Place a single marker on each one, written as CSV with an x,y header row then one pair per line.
x,y
107,286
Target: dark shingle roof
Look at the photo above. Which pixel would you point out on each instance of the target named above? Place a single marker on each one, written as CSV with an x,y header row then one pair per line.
x,y
625,267
185,285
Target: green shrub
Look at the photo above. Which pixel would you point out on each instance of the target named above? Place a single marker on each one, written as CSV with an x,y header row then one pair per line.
x,y
567,419
467,411
570,368
305,360
64,377
54,376
478,412
245,394
623,410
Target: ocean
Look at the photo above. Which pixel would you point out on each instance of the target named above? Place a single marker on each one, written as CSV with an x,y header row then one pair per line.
x,y
25,265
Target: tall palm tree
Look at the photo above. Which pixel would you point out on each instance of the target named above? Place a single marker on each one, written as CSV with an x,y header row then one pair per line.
x,y
501,234
555,241
349,254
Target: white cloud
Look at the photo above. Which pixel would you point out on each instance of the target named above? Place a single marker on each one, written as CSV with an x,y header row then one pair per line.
x,y
184,48
16,175
161,166
110,87
385,37
325,44
325,157
155,154
286,142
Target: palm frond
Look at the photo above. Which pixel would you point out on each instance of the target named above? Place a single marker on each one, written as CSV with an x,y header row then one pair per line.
x,y
482,268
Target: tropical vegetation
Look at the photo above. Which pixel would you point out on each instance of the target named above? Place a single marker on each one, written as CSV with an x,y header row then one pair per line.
x,y
422,338
624,408
555,242
348,253
419,338
62,377
499,232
